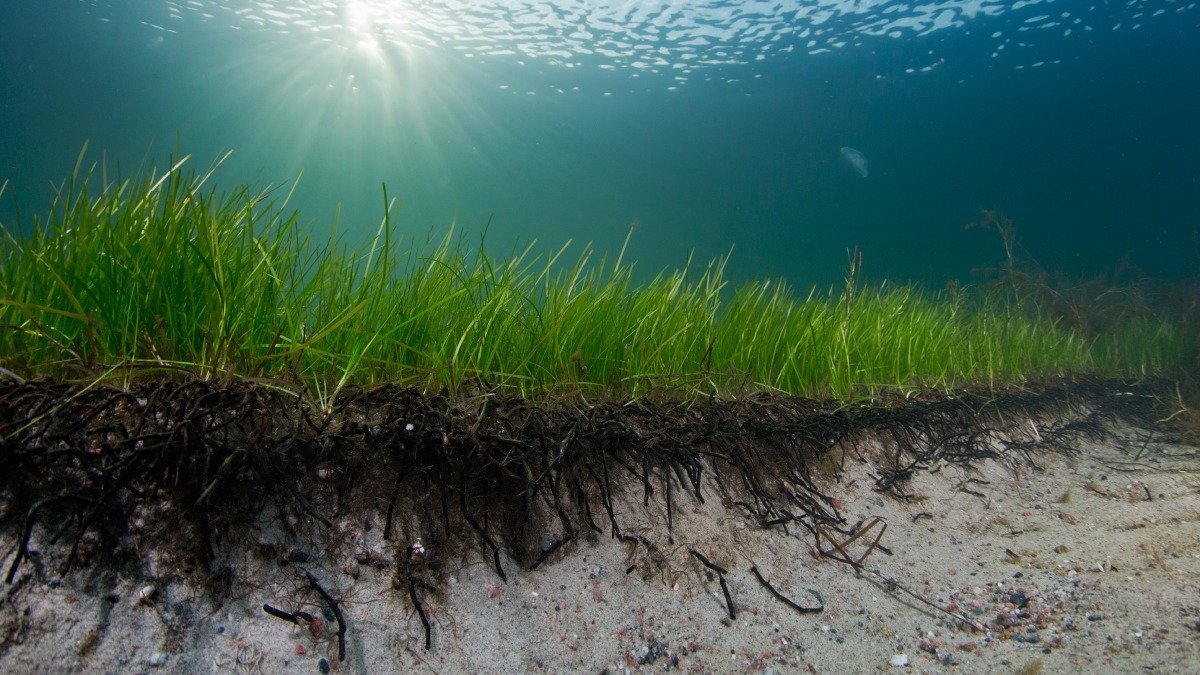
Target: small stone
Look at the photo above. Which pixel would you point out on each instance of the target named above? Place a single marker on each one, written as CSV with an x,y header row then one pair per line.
x,y
323,665
157,659
145,594
900,660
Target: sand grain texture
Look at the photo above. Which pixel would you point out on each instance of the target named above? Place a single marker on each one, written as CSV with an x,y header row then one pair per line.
x,y
1088,563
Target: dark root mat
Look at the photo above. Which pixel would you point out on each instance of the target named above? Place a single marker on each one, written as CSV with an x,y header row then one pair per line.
x,y
105,475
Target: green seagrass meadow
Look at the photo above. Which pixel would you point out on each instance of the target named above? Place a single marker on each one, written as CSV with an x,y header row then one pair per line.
x,y
123,279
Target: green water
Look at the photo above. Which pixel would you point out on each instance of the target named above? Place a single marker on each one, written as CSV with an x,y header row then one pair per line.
x,y
712,126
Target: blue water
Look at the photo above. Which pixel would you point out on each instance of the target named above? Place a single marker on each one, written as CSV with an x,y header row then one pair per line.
x,y
711,125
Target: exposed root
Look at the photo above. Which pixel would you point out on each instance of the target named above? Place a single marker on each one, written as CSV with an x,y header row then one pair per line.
x,y
118,472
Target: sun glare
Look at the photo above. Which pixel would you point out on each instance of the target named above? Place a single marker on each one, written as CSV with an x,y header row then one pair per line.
x,y
361,23
359,14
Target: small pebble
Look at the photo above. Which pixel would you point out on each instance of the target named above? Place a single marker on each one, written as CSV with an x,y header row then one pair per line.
x,y
157,659
900,660
323,665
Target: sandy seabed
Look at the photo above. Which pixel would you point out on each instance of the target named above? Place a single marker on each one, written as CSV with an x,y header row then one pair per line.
x,y
1086,563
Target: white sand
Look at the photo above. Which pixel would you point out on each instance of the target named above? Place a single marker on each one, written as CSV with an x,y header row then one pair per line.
x,y
1106,566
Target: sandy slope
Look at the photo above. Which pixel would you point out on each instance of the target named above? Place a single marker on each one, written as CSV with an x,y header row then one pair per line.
x,y
1090,564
